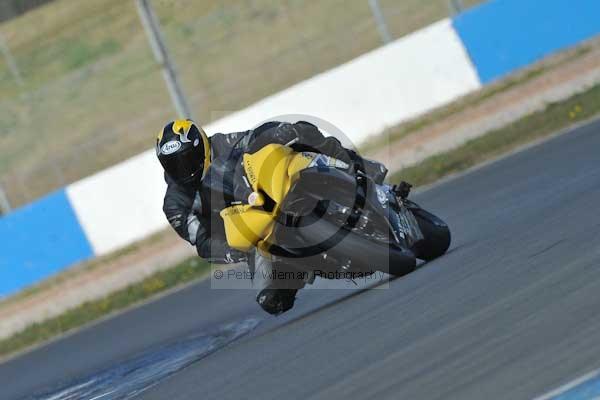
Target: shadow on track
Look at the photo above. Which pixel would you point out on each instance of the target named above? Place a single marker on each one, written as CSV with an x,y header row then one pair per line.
x,y
136,375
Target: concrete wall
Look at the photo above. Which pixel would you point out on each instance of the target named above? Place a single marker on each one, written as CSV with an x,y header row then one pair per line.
x,y
379,89
502,36
122,204
39,240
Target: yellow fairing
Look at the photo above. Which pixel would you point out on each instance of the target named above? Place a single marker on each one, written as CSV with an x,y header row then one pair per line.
x,y
271,171
245,226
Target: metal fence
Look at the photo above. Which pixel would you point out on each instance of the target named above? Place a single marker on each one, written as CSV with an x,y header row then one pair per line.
x,y
82,91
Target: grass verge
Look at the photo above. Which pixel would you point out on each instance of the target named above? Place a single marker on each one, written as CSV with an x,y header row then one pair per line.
x,y
187,271
554,117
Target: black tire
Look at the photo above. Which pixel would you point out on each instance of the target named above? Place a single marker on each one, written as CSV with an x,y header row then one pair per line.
x,y
436,234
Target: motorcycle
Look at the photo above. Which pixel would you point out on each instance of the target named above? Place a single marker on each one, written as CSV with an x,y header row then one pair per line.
x,y
317,213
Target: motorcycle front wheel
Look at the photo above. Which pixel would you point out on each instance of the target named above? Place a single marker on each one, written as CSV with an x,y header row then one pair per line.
x,y
436,235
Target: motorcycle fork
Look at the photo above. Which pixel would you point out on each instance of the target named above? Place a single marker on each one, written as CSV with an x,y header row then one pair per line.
x,y
403,223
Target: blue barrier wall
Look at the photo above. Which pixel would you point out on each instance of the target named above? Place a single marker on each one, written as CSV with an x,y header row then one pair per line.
x,y
38,240
504,35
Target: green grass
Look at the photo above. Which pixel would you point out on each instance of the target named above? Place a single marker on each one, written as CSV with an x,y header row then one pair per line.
x,y
554,117
187,271
93,95
78,53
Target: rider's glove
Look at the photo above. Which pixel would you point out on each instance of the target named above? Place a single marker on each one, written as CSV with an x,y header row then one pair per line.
x,y
217,251
402,189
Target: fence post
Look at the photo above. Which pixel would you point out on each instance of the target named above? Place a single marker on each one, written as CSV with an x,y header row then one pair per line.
x,y
5,207
10,61
161,54
456,6
382,27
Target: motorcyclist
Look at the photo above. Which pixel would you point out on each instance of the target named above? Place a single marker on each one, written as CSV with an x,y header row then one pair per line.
x,y
186,152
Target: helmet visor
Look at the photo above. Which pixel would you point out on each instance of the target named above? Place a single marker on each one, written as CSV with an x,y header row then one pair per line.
x,y
184,166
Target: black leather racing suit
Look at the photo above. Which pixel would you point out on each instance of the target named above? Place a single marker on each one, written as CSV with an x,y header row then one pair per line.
x,y
182,205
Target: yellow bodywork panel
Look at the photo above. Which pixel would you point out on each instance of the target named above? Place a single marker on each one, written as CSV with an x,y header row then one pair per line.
x,y
246,225
271,171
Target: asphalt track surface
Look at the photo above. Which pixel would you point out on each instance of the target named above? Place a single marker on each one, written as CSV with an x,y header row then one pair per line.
x,y
511,312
